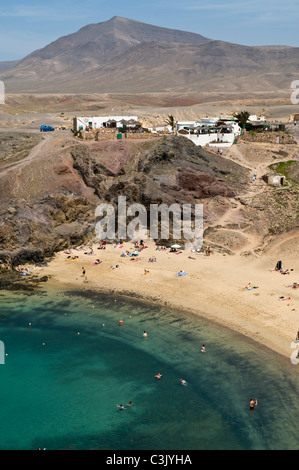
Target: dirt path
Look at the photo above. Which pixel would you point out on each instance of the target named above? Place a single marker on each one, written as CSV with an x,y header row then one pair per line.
x,y
234,213
34,152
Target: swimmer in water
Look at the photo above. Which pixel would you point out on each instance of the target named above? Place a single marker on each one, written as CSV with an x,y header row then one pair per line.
x,y
252,403
120,322
144,334
158,376
183,382
121,407
130,403
203,349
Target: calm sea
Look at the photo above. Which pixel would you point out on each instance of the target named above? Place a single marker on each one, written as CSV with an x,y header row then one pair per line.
x,y
68,364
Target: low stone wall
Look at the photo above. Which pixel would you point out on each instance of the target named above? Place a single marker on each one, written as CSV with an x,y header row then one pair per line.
x,y
113,136
267,137
217,140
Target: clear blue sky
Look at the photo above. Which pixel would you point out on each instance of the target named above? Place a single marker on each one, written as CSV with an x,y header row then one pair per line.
x,y
27,26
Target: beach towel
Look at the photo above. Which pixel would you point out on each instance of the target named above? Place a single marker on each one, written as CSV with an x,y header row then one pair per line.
x,y
181,274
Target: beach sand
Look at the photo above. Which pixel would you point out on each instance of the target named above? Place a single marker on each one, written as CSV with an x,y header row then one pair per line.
x,y
214,287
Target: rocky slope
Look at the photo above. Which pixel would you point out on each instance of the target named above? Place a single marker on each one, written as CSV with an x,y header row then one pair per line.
x,y
50,190
48,197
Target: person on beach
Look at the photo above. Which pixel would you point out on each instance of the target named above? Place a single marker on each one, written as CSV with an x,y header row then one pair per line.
x,y
181,273
83,272
252,403
278,266
250,287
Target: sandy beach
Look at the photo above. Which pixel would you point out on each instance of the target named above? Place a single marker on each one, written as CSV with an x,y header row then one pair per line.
x,y
214,287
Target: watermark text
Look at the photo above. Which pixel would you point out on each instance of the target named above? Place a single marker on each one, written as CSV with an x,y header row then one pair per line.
x,y
178,222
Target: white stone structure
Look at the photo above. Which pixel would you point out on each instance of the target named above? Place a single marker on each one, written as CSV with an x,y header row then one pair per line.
x,y
99,122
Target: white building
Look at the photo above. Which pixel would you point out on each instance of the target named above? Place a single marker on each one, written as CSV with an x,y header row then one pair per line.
x,y
209,131
212,139
160,129
255,118
99,122
185,125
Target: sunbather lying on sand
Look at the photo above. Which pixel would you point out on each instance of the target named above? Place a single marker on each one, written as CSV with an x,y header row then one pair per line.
x,y
181,273
249,287
23,270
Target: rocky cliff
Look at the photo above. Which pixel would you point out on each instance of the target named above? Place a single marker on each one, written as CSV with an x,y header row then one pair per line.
x,y
50,191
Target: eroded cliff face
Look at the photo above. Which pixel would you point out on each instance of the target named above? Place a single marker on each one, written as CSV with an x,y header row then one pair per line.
x,y
171,169
50,187
49,193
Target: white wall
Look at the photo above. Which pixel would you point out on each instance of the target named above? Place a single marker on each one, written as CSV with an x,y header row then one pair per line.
x,y
225,140
97,121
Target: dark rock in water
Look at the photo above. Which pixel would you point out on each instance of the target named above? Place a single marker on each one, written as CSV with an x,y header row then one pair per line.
x,y
13,280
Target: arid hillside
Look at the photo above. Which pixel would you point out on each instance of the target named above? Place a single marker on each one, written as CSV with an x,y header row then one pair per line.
x,y
50,187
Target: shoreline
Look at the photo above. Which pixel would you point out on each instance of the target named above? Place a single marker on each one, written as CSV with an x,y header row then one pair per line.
x,y
212,290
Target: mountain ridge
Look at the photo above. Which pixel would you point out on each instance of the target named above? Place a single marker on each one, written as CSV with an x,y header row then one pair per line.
x,y
127,55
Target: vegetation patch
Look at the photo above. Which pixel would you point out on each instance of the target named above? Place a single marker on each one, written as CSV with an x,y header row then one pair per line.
x,y
289,169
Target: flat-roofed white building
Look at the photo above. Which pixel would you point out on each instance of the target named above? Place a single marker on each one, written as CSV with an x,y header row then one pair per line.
x,y
99,122
210,131
255,118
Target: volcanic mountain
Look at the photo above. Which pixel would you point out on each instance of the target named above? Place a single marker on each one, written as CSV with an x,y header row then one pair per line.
x,y
122,55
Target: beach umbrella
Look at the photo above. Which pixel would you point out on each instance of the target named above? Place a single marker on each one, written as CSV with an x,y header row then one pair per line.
x,y
175,246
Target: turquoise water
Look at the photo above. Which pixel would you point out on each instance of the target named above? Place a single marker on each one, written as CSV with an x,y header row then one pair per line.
x,y
59,389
